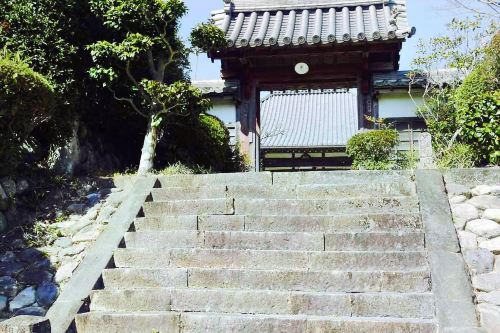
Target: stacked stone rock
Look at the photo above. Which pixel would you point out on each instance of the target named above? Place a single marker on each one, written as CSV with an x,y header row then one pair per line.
x,y
30,279
476,214
26,282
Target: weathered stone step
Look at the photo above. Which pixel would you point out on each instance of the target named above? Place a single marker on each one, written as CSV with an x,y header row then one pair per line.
x,y
258,207
398,305
285,192
190,207
166,322
215,323
281,223
246,240
262,178
326,281
341,177
293,280
270,260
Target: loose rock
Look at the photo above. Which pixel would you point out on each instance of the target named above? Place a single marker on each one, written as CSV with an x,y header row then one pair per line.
x,y
480,261
484,228
493,245
485,202
23,299
490,317
468,240
491,298
481,190
8,256
93,199
458,199
46,294
74,250
9,185
8,286
463,213
35,277
105,214
492,214
31,311
22,186
3,222
76,208
65,271
4,200
87,235
11,268
457,189
31,255
3,303
63,242
487,282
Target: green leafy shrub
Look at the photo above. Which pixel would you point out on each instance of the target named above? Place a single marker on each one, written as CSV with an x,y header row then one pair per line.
x,y
26,102
199,142
459,156
477,103
180,169
206,37
373,150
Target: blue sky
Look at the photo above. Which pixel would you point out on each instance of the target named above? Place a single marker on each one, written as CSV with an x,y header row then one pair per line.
x,y
428,16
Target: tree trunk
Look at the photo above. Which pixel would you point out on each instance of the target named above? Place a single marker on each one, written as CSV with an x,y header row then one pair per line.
x,y
148,149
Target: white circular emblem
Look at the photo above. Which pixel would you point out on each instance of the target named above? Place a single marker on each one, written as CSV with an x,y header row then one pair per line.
x,y
301,68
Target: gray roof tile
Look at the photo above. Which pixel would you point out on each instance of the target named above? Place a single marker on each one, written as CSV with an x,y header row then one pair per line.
x,y
257,23
311,119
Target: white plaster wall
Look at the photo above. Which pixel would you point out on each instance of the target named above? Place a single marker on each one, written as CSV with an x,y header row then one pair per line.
x,y
398,105
225,110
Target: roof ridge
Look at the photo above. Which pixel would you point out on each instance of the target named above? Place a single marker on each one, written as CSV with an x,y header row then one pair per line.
x,y
264,5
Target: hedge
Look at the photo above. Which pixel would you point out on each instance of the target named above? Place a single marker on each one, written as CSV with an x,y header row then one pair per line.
x,y
27,100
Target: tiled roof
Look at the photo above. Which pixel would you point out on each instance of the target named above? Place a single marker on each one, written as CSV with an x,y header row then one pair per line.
x,y
396,79
217,87
257,23
401,79
313,119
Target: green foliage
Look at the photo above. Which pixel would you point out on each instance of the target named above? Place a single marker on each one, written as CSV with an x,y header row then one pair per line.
x,y
459,156
179,99
439,115
217,140
181,169
463,115
206,37
36,30
26,102
42,235
373,150
407,160
477,103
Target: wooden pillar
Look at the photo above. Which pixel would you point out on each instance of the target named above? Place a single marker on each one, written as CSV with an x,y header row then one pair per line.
x,y
246,117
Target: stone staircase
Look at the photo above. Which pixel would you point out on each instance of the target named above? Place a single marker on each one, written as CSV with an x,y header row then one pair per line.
x,y
297,252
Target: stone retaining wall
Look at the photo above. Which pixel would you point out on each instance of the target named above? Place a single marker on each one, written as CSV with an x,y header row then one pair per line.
x,y
474,197
32,278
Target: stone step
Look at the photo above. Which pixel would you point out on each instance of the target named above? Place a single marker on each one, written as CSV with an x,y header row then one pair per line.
x,y
284,280
246,240
257,207
166,322
398,305
285,192
261,178
341,177
281,223
270,260
190,207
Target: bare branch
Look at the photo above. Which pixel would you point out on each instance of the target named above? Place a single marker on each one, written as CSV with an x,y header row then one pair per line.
x,y
129,101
